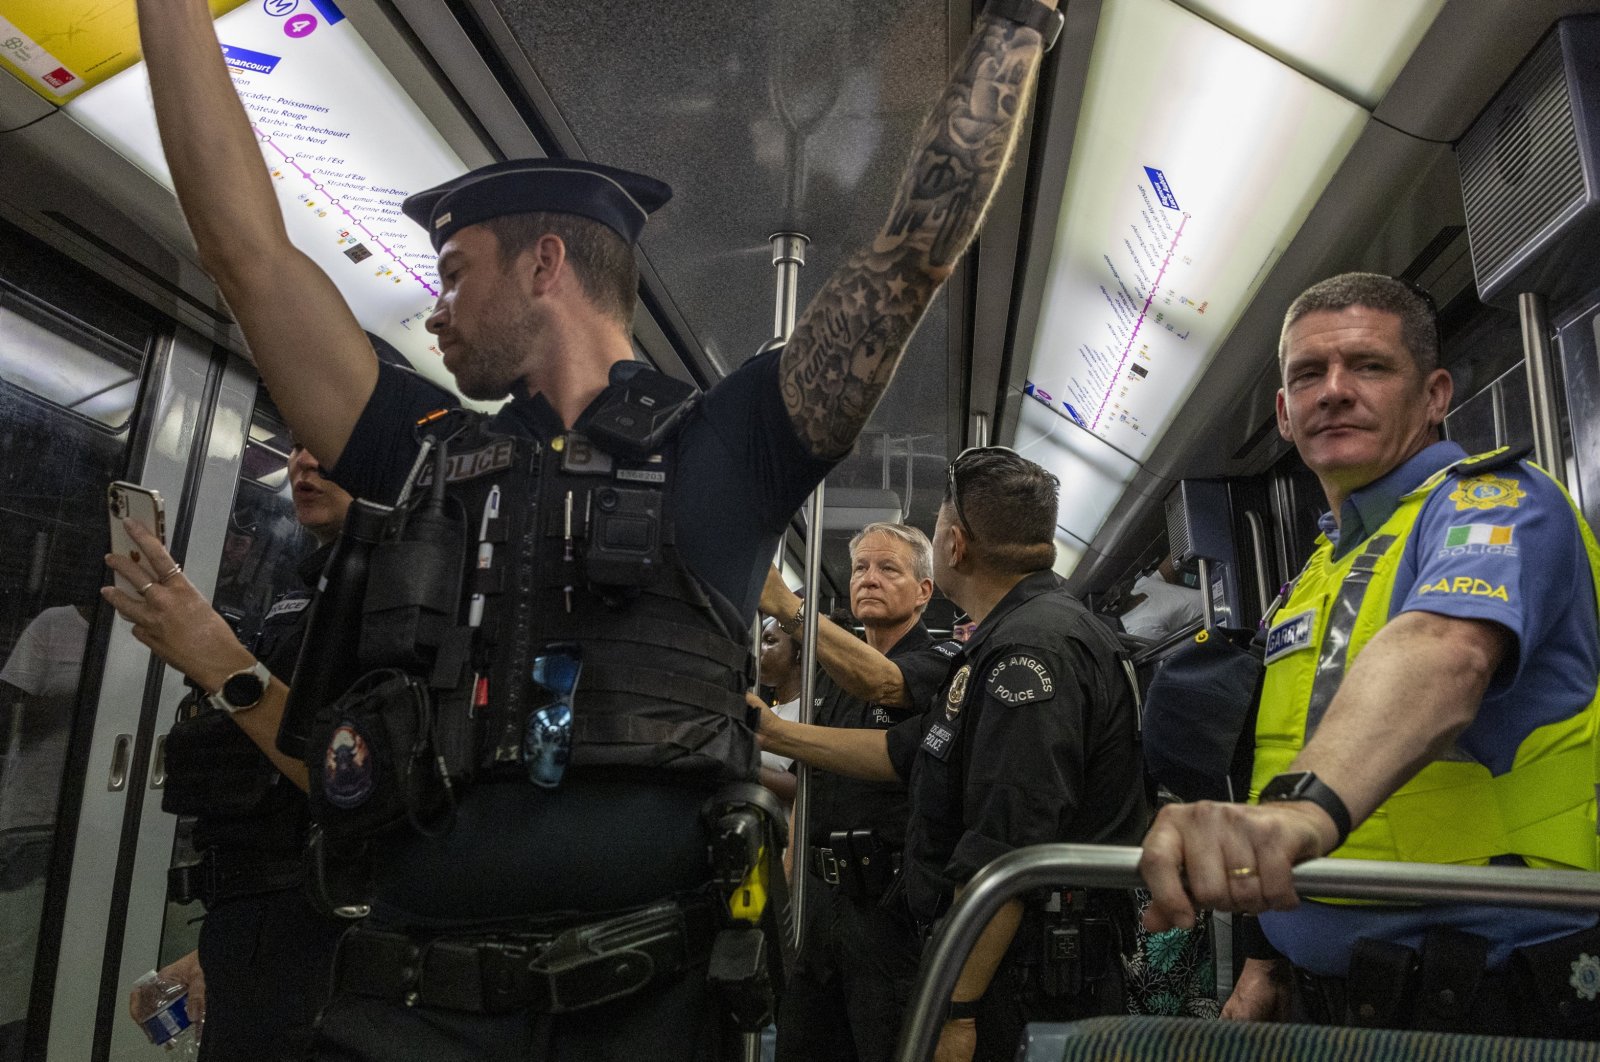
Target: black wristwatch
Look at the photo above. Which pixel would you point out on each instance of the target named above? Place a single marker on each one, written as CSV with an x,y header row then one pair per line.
x,y
243,690
1047,21
1303,785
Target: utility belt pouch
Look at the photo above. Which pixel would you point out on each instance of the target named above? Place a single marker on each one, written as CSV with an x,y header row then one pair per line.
x,y
1381,986
1558,986
371,760
215,771
867,865
740,979
1452,971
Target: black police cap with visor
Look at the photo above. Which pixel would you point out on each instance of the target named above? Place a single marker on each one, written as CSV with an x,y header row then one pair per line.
x,y
616,198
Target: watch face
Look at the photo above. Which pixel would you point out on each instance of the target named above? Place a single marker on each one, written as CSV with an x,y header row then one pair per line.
x,y
243,691
1286,786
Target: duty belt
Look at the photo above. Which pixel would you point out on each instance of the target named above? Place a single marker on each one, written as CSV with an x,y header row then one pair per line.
x,y
548,973
223,875
853,871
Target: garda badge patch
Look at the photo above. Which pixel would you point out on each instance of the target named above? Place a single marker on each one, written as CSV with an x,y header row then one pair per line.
x,y
1290,635
1020,679
347,769
1585,979
1487,491
956,695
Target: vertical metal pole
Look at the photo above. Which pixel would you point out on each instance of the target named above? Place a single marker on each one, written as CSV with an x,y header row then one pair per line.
x,y
788,256
1206,608
1541,383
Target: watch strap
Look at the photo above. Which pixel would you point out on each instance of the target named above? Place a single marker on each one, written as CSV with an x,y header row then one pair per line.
x,y
219,700
1303,785
962,1010
1046,21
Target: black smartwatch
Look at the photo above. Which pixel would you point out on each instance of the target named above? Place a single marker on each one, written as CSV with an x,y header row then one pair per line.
x,y
1046,21
243,690
1303,785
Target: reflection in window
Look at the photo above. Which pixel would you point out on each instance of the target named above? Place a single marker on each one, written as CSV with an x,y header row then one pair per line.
x,y
67,395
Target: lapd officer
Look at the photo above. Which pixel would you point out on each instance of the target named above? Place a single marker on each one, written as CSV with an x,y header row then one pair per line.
x,y
538,285
1031,739
1430,697
858,958
264,957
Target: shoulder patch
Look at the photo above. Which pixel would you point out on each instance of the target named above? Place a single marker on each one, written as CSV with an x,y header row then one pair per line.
x,y
950,648
1487,491
1018,678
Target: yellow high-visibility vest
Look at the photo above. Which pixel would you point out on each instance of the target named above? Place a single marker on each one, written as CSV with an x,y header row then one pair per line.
x,y
1453,810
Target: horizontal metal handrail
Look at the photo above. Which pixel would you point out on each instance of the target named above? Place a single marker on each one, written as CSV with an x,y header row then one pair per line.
x,y
1107,866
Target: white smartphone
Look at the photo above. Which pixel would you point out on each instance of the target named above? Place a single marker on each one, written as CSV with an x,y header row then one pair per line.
x,y
131,501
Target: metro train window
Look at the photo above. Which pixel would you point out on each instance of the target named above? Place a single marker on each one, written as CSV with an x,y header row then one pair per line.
x,y
67,395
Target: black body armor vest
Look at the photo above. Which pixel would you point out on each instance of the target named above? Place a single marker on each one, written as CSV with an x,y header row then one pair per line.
x,y
533,547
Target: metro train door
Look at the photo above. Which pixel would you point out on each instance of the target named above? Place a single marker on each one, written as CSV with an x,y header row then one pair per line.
x,y
93,387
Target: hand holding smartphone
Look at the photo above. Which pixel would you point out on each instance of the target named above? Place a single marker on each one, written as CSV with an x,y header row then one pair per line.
x,y
130,501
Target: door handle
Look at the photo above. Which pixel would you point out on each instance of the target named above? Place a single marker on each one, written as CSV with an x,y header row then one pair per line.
x,y
121,753
158,768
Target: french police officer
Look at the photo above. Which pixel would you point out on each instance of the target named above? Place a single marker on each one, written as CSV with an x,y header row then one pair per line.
x,y
1031,739
265,955
858,958
516,820
1429,697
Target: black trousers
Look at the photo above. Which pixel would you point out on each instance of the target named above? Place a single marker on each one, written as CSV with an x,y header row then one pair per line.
x,y
670,1021
267,960
852,981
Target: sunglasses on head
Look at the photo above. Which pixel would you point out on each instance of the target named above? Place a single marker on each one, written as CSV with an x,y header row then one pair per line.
x,y
953,486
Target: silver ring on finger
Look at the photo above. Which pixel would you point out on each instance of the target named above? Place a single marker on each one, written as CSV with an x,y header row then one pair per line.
x,y
146,586
174,570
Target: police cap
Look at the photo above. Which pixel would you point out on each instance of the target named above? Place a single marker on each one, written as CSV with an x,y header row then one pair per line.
x,y
619,199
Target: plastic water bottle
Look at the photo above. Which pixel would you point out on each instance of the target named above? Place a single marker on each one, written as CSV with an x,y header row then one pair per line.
x,y
161,1006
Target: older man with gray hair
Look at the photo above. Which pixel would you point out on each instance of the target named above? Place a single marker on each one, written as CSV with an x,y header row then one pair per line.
x,y
857,958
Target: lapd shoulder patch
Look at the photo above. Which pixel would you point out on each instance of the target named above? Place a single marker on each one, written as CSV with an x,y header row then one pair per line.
x,y
1018,678
1487,492
287,605
950,648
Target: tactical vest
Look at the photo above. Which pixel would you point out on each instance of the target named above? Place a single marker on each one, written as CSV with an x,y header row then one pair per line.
x,y
1453,810
568,544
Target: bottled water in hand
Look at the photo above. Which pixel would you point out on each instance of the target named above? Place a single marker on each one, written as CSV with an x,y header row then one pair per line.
x,y
161,1007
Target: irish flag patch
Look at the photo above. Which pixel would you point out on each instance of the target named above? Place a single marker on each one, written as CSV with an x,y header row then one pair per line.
x,y
1478,535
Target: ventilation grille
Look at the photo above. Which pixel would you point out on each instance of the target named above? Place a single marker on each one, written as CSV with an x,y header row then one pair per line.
x,y
1522,176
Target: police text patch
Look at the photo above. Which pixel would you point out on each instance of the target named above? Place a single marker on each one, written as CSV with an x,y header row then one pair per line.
x,y
1020,679
1290,635
288,605
937,741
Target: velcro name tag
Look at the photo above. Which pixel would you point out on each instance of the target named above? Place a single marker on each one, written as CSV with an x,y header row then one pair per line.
x,y
1290,635
288,605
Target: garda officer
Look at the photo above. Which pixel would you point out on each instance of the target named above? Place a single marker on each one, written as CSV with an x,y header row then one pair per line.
x,y
1430,697
1031,739
857,957
264,954
530,763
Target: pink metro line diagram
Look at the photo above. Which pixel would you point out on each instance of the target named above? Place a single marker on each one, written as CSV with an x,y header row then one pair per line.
x,y
355,223
1144,313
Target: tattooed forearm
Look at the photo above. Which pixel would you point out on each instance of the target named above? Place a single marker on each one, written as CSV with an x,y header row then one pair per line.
x,y
850,337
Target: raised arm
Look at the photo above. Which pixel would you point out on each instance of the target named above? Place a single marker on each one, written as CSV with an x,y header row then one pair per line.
x,y
857,668
307,344
849,339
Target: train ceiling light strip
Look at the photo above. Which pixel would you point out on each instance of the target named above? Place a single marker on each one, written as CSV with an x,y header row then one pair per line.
x,y
1354,47
1196,158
